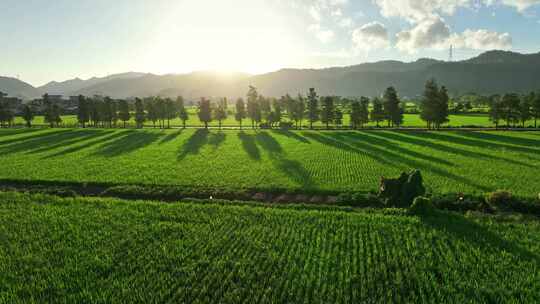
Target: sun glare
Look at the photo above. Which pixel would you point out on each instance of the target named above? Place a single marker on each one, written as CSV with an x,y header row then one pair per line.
x,y
198,35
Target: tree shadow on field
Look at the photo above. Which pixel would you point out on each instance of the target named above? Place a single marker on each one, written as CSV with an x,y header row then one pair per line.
x,y
216,139
87,144
131,141
194,143
46,142
249,145
418,138
293,135
377,149
478,140
11,132
475,234
170,137
33,136
500,138
82,137
293,169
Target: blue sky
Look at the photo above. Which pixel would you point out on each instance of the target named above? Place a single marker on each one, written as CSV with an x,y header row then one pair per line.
x,y
62,39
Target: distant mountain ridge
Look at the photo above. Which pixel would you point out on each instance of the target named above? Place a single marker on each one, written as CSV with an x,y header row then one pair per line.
x,y
489,73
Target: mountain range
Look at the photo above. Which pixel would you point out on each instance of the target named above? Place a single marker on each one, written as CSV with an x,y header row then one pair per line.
x,y
489,73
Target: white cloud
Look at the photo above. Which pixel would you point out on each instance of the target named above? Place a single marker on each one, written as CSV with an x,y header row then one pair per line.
x,y
481,40
418,10
370,36
346,22
429,33
433,33
520,5
324,35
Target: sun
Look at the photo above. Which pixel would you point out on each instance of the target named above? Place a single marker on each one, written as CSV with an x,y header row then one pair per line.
x,y
193,37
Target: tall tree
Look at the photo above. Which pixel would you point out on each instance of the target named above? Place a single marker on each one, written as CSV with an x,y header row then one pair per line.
x,y
52,112
496,109
170,111
152,111
220,112
182,111
338,117
28,115
535,111
364,111
140,115
441,113
510,103
277,112
524,109
355,114
123,112
328,110
377,114
205,111
83,111
392,109
298,110
240,113
253,106
428,104
312,107
266,108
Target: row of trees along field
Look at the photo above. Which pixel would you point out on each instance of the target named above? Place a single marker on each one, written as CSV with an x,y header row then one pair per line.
x,y
285,112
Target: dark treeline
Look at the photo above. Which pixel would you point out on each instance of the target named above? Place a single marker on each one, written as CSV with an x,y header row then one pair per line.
x,y
510,110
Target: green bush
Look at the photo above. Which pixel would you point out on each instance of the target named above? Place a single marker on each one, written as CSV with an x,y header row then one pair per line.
x,y
500,199
422,206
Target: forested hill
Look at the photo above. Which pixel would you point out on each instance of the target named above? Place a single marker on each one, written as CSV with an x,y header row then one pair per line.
x,y
489,73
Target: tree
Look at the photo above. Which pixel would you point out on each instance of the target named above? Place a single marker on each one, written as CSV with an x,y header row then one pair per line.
x,y
182,111
338,117
205,111
266,108
328,111
313,107
253,106
123,112
428,104
298,110
170,111
524,109
28,115
510,104
441,113
6,115
377,114
140,115
277,113
240,111
83,111
220,112
535,111
392,109
496,109
152,111
52,112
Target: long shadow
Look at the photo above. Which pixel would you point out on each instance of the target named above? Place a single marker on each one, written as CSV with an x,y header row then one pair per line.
x,y
365,150
374,145
488,136
194,143
131,141
475,234
41,142
170,137
81,138
383,141
293,135
86,145
475,141
216,139
32,136
414,138
292,168
11,132
249,145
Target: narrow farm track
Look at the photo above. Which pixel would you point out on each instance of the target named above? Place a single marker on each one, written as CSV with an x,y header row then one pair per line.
x,y
109,250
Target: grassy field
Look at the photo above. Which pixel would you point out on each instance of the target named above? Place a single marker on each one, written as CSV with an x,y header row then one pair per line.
x,y
458,161
103,251
410,120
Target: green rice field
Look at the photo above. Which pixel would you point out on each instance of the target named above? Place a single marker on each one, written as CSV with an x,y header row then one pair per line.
x,y
83,250
453,161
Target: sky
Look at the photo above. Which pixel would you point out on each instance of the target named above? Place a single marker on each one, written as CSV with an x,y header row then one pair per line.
x,y
43,40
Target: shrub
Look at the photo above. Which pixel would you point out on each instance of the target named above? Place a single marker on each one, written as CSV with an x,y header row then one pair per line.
x,y
401,191
422,206
500,199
